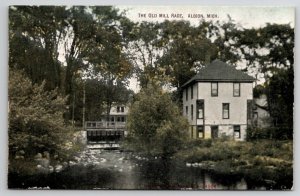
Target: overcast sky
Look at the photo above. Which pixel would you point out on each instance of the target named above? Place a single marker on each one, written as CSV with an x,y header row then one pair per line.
x,y
247,16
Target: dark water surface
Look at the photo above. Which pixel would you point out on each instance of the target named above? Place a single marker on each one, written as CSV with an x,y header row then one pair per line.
x,y
123,170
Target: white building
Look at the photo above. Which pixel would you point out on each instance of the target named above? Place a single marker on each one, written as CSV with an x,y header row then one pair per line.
x,y
110,128
218,101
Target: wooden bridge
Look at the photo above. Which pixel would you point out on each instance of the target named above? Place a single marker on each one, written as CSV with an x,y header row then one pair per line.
x,y
104,134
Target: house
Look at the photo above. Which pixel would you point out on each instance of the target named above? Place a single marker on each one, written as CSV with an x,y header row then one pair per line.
x,y
110,128
218,102
117,116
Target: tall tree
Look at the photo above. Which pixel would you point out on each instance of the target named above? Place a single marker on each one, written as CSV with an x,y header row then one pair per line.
x,y
34,36
188,50
263,50
107,58
168,52
155,124
280,94
91,37
144,49
100,97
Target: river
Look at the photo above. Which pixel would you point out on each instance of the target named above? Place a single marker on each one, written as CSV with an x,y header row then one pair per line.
x,y
104,169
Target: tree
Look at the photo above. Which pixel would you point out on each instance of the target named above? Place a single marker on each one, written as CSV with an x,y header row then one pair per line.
x,y
96,46
91,37
188,50
280,96
155,124
169,52
144,48
263,50
100,97
35,33
35,119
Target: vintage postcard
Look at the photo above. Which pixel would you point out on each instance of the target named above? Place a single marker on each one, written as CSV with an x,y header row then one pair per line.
x,y
151,97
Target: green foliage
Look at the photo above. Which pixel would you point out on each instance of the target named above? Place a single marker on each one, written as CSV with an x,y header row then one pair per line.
x,y
34,36
91,38
101,41
36,120
155,124
276,39
276,133
258,160
199,143
280,95
100,97
169,52
258,90
188,50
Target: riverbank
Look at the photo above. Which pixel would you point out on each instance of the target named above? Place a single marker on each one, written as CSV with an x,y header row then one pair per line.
x,y
218,165
48,161
266,161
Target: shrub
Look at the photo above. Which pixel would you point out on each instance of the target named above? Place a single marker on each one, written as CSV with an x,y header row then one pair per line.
x,y
278,133
155,125
205,143
36,123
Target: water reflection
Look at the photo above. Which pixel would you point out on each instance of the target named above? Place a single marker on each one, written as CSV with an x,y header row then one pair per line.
x,y
97,169
170,175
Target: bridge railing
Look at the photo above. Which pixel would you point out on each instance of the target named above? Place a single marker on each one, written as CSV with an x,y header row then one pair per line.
x,y
104,125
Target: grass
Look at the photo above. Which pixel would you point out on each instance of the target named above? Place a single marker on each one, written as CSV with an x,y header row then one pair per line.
x,y
259,160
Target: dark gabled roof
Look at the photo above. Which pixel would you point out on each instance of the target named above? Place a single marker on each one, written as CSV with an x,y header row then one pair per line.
x,y
220,72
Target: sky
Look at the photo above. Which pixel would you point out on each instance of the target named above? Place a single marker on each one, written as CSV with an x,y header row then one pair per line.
x,y
246,16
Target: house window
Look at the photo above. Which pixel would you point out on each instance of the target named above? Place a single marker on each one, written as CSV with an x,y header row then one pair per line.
x,y
214,89
192,92
186,94
237,131
200,109
200,130
123,118
192,111
118,119
225,110
236,89
120,109
186,110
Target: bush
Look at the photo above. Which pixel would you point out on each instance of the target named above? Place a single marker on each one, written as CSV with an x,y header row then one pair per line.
x,y
205,143
36,123
155,124
278,133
